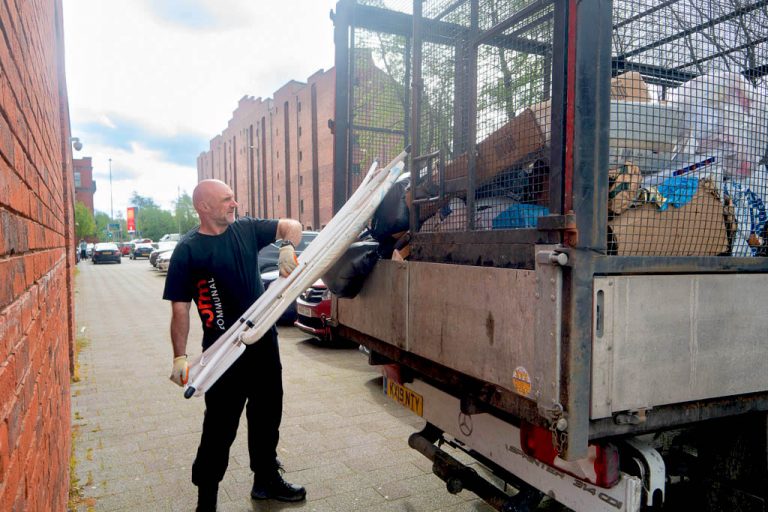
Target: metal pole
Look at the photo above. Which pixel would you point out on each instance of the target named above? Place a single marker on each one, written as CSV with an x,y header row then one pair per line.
x,y
111,211
178,210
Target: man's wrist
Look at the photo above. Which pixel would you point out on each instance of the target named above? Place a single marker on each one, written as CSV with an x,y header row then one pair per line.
x,y
286,243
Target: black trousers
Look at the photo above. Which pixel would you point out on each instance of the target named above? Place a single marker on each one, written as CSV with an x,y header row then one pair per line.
x,y
254,381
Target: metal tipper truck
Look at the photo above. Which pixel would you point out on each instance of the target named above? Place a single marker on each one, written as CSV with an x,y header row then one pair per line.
x,y
582,303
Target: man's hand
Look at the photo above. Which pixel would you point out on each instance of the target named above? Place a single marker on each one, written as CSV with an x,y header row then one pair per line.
x,y
287,260
180,373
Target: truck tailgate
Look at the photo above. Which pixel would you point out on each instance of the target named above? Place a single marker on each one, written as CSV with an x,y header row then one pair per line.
x,y
476,320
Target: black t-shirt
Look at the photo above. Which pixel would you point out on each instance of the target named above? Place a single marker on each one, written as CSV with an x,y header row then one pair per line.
x,y
220,273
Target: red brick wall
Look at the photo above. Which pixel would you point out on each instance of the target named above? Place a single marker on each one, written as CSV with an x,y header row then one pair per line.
x,y
84,193
325,84
36,259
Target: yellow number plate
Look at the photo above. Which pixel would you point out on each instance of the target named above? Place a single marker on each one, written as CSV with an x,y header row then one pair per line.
x,y
405,397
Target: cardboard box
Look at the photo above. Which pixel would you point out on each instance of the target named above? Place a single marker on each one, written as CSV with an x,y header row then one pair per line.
x,y
630,86
511,144
626,87
695,229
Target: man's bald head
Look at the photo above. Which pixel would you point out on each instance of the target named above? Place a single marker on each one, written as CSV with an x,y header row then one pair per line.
x,y
215,203
206,191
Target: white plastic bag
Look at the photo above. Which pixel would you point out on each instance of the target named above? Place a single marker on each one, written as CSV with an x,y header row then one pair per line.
x,y
725,117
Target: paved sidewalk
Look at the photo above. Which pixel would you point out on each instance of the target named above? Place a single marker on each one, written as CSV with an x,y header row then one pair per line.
x,y
136,436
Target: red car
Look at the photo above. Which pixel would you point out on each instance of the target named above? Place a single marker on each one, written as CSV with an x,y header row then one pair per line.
x,y
313,312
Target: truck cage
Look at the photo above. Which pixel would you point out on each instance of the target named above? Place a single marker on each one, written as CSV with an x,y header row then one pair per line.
x,y
625,133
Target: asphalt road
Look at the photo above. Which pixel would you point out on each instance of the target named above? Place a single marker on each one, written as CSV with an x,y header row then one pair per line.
x,y
135,435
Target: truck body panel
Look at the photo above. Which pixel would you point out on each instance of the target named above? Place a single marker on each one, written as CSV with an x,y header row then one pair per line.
x,y
676,338
472,324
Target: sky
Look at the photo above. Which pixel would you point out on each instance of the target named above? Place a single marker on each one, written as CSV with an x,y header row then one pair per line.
x,y
151,82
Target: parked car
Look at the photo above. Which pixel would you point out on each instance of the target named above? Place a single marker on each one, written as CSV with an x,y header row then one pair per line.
x,y
163,260
313,313
141,250
289,315
162,246
268,255
106,251
89,250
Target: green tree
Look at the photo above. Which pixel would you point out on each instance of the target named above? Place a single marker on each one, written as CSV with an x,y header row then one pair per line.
x,y
142,201
85,225
154,223
102,225
185,214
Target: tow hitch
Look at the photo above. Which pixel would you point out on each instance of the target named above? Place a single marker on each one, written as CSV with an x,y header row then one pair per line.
x,y
458,476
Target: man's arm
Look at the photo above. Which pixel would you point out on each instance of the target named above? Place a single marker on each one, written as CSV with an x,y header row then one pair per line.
x,y
289,229
179,327
179,333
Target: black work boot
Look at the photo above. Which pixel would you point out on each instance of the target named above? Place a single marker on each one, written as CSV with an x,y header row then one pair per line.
x,y
206,498
274,487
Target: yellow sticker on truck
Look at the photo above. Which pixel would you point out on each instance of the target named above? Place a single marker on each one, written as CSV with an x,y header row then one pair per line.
x,y
521,381
405,397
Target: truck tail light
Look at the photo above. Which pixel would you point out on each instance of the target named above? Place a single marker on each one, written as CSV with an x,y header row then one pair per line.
x,y
600,467
607,465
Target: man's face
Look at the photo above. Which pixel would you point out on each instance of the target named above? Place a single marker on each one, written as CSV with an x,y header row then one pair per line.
x,y
222,206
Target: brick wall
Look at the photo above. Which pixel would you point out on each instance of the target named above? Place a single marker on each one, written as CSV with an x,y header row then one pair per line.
x,y
84,192
36,258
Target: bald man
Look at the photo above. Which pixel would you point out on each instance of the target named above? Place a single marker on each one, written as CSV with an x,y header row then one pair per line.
x,y
216,266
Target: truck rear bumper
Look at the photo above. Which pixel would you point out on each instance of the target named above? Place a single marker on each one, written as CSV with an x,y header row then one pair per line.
x,y
499,442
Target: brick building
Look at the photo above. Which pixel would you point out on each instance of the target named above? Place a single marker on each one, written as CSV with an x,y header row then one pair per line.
x,y
36,259
277,153
85,186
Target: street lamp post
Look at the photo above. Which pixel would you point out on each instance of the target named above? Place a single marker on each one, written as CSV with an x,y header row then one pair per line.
x,y
111,211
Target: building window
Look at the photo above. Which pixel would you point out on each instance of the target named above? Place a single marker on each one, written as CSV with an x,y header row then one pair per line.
x,y
78,180
299,131
301,206
300,156
301,180
298,106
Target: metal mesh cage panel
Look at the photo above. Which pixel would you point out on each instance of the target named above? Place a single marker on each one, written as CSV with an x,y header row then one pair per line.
x,y
500,114
379,100
688,130
688,126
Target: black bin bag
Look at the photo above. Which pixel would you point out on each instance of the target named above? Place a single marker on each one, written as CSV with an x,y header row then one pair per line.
x,y
392,214
346,277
